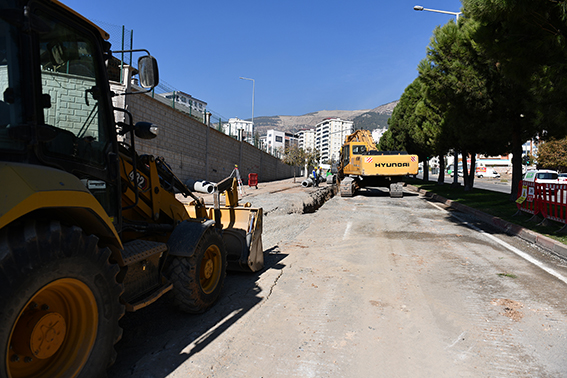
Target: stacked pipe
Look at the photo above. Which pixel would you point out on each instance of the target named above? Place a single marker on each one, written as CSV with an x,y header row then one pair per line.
x,y
307,182
201,186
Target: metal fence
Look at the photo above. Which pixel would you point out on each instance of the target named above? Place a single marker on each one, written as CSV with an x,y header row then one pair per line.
x,y
120,39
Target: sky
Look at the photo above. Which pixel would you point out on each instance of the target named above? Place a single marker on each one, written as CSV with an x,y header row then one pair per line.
x,y
304,55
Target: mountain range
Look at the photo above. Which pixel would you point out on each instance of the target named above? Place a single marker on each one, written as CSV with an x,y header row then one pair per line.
x,y
368,119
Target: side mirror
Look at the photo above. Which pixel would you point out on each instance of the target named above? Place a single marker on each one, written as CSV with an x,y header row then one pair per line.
x,y
146,130
148,71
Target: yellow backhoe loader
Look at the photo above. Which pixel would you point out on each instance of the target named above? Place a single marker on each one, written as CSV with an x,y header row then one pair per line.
x,y
362,165
89,228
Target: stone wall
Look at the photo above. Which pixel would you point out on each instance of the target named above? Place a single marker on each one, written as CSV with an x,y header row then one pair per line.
x,y
196,151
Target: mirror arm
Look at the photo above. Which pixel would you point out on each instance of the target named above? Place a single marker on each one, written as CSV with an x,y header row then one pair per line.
x,y
127,51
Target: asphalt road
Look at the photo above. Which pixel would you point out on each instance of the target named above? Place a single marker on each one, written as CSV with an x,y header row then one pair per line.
x,y
495,185
368,286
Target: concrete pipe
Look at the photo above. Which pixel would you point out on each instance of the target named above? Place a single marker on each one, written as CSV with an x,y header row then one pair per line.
x,y
307,182
201,186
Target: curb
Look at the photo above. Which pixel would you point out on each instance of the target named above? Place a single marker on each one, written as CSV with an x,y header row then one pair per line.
x,y
512,229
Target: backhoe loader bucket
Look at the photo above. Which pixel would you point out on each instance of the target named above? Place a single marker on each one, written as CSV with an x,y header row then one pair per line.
x,y
243,238
242,235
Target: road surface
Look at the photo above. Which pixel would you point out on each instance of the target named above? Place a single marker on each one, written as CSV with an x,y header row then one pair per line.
x,y
495,185
368,286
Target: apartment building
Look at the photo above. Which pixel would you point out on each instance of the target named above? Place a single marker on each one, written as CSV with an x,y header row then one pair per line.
x,y
186,103
330,135
234,126
306,139
277,141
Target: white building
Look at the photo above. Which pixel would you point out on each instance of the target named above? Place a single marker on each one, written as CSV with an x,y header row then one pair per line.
x,y
235,124
188,103
306,139
277,141
377,134
330,135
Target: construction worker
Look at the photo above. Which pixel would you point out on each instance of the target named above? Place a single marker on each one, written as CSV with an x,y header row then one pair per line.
x,y
315,178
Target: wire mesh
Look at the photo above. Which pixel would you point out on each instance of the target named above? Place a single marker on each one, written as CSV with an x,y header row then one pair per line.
x,y
120,39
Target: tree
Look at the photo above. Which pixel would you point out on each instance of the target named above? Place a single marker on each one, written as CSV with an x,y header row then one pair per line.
x,y
553,155
461,86
524,42
413,126
295,157
312,158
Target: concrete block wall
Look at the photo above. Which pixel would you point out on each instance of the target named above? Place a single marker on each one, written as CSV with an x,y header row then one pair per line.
x,y
69,109
195,151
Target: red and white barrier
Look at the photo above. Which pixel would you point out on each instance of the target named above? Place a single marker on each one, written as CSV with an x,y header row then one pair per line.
x,y
549,200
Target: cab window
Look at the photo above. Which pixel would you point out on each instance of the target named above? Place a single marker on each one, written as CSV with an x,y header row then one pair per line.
x,y
358,150
69,77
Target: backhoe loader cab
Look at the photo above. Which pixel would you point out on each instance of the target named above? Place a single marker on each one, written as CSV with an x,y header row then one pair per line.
x,y
88,227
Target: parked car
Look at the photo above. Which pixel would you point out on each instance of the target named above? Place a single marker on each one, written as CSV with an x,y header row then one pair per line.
x,y
488,172
562,178
542,175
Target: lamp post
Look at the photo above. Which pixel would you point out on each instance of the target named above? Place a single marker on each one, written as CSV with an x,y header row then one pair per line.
x,y
420,8
456,14
253,88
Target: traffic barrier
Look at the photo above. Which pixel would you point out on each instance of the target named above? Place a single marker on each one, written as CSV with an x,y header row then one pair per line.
x,y
545,199
253,180
553,203
527,200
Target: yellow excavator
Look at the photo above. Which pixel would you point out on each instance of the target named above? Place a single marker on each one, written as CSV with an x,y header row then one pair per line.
x,y
362,165
89,228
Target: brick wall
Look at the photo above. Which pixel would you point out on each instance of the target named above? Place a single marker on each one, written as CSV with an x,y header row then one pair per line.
x,y
196,151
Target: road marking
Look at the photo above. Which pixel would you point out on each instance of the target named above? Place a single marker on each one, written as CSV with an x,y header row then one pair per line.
x,y
522,254
347,230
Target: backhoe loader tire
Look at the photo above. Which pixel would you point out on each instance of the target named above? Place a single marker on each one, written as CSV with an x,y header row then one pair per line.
x,y
59,303
198,280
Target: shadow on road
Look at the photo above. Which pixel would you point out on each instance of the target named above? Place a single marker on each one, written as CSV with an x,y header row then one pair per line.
x,y
379,192
159,338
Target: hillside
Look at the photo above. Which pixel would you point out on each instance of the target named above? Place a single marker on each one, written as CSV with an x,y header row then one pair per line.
x,y
368,119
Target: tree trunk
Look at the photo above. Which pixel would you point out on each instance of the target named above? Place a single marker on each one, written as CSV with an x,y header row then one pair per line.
x,y
471,173
441,177
456,169
426,170
466,171
516,163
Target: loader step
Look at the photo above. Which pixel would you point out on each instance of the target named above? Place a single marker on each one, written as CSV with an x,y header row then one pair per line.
x,y
149,298
138,250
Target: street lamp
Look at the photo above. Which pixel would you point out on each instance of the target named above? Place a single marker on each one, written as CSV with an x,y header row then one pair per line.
x,y
253,87
456,14
420,8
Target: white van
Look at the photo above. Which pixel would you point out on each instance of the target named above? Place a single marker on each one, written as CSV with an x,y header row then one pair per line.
x,y
487,172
